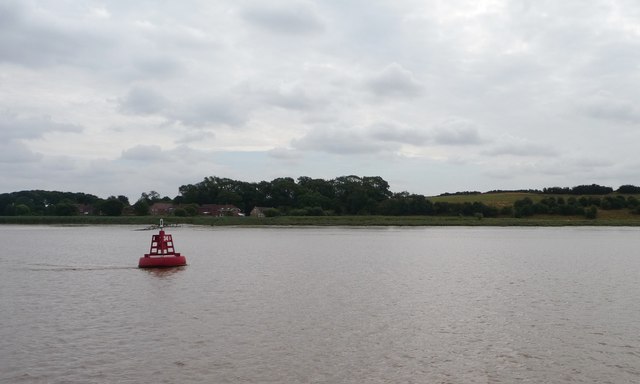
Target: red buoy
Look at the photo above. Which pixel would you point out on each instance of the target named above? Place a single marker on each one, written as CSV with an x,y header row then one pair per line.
x,y
162,254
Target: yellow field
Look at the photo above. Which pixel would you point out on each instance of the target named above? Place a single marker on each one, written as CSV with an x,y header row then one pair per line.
x,y
497,200
500,200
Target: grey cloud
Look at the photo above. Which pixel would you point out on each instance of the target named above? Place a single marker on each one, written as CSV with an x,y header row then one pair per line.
x,y
35,37
456,132
284,154
394,81
453,132
142,100
43,36
372,30
588,166
196,111
154,66
575,165
526,68
156,155
610,108
211,110
144,153
296,95
31,127
140,167
11,12
578,41
591,162
290,97
177,33
612,58
195,136
341,141
289,19
16,152
554,25
520,147
394,133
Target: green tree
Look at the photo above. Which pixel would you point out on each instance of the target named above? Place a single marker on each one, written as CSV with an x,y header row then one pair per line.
x,y
229,197
150,197
112,207
628,189
21,210
124,200
351,196
283,192
141,207
524,207
314,199
66,208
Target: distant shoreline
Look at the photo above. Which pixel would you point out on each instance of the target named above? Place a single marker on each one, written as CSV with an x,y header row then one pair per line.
x,y
336,221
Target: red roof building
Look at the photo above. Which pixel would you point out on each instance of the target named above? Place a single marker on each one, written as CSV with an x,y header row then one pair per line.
x,y
219,210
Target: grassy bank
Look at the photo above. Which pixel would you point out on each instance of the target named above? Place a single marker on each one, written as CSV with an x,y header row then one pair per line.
x,y
145,221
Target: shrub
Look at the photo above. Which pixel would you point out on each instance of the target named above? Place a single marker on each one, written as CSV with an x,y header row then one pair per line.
x,y
506,211
271,212
191,210
314,211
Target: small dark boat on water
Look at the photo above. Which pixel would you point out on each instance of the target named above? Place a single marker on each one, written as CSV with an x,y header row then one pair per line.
x,y
162,253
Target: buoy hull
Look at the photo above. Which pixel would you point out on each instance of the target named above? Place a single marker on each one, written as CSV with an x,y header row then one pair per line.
x,y
162,262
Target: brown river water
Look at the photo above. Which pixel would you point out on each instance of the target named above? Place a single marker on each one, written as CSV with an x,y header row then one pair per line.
x,y
321,305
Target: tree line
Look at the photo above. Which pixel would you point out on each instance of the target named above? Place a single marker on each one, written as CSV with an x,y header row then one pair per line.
x,y
584,205
306,196
55,203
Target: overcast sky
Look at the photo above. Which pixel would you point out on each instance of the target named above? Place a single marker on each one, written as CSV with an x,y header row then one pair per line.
x,y
125,97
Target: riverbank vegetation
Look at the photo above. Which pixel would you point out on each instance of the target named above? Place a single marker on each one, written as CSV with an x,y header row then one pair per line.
x,y
147,222
346,200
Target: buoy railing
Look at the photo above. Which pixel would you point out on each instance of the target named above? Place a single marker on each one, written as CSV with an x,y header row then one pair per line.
x,y
162,252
